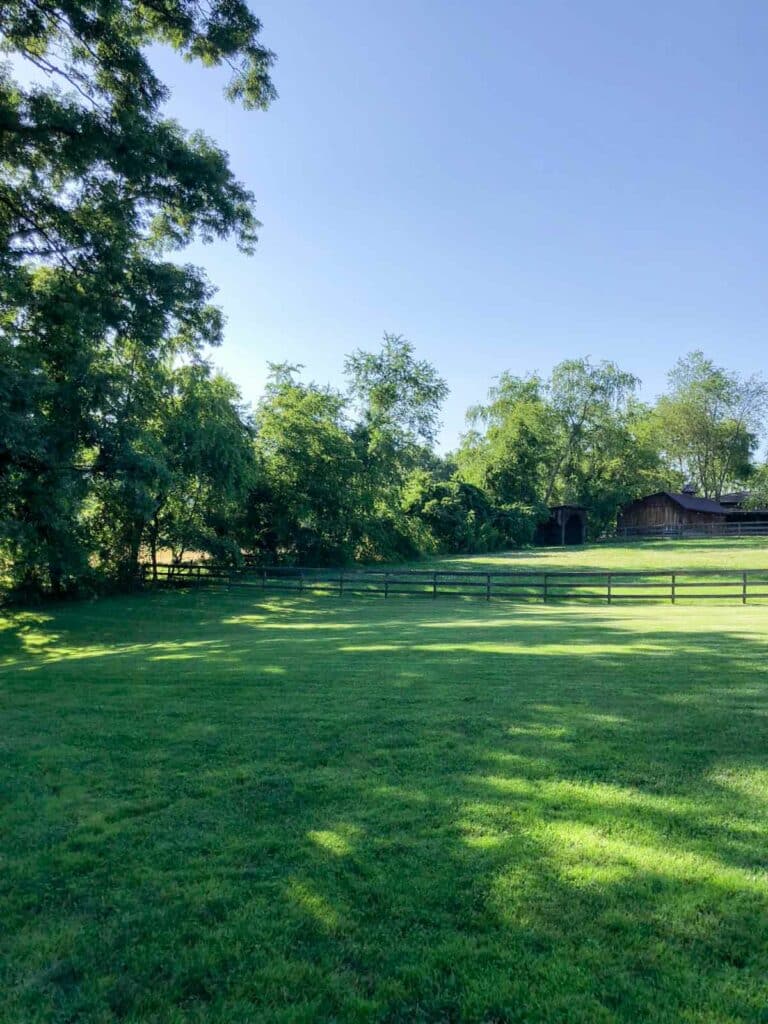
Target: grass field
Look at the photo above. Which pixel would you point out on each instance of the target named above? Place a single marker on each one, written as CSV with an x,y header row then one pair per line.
x,y
305,809
718,553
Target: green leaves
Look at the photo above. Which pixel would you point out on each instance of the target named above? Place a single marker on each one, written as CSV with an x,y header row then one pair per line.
x,y
574,437
710,421
96,186
336,468
312,501
398,396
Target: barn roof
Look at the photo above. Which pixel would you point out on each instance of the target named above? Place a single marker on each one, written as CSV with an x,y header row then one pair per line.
x,y
736,498
692,503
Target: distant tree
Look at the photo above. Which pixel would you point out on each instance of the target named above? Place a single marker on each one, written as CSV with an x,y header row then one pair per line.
x,y
395,402
397,398
458,516
175,475
207,437
333,468
709,423
618,460
580,436
585,400
510,445
758,489
309,503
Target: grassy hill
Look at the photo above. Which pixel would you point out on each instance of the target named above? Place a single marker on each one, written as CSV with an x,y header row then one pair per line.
x,y
230,808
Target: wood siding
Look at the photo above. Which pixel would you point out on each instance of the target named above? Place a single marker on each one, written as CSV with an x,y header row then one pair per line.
x,y
660,510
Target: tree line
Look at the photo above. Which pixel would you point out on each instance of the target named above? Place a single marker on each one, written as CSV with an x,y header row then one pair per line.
x,y
120,441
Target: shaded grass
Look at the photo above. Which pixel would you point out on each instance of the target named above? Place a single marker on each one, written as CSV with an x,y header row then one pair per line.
x,y
304,809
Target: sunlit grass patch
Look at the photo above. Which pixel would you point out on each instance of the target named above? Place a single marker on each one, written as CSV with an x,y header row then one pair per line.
x,y
714,553
321,809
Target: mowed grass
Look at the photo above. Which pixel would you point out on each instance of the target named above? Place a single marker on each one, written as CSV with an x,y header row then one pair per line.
x,y
223,808
717,553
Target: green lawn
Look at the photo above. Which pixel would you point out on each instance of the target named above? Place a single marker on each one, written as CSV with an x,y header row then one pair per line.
x,y
217,808
718,553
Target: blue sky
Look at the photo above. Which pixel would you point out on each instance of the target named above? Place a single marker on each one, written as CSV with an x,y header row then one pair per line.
x,y
508,184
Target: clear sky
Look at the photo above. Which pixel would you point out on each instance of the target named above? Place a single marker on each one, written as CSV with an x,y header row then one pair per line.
x,y
505,183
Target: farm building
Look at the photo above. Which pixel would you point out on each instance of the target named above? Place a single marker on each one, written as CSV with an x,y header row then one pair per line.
x,y
567,524
735,500
671,510
734,506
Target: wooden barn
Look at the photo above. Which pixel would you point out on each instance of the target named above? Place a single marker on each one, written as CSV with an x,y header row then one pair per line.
x,y
671,510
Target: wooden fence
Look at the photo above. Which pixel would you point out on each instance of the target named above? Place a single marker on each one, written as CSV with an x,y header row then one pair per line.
x,y
690,531
599,586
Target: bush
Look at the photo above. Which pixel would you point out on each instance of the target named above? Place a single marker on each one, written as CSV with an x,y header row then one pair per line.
x,y
461,519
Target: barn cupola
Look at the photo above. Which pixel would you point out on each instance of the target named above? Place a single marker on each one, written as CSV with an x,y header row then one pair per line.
x,y
689,488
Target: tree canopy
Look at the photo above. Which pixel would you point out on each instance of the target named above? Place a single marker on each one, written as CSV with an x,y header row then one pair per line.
x,y
121,442
96,188
709,423
578,436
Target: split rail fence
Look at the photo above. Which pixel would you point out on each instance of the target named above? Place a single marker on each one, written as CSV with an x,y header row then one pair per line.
x,y
740,585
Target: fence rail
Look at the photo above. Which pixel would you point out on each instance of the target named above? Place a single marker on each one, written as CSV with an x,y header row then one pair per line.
x,y
697,532
596,586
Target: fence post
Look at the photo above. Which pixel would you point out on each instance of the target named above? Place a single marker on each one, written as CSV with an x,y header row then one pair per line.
x,y
610,581
386,584
488,587
341,582
546,583
263,578
744,587
301,581
434,584
674,583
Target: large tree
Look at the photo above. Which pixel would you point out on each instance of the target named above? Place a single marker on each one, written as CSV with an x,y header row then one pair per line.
x,y
307,503
397,398
710,421
395,401
334,466
585,399
96,186
509,446
206,436
578,436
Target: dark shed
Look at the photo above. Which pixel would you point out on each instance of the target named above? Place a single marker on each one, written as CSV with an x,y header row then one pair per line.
x,y
567,524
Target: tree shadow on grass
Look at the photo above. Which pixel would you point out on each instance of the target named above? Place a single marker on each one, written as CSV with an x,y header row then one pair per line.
x,y
355,812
